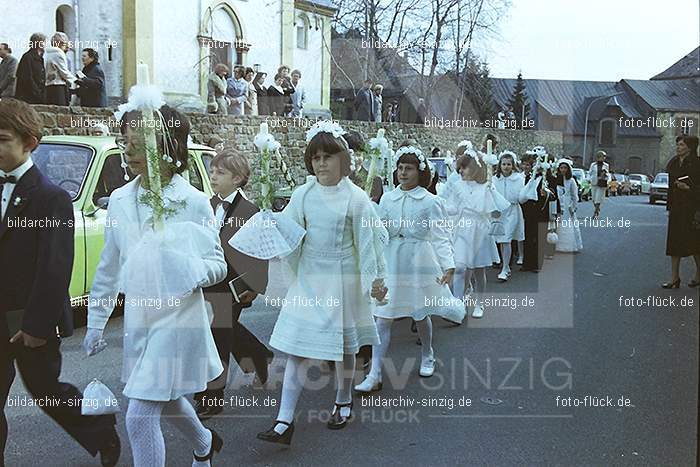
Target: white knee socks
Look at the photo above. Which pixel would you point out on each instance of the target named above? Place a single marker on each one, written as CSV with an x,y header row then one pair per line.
x,y
146,436
425,332
459,282
506,252
291,390
344,376
379,351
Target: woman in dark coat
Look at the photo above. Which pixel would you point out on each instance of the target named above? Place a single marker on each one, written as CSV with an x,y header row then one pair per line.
x,y
683,204
91,84
276,98
258,83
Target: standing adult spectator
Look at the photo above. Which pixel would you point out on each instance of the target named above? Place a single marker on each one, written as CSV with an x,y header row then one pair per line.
x,y
216,90
91,81
299,96
8,71
683,205
377,103
31,75
236,91
364,102
599,176
58,77
288,89
261,92
276,98
251,103
421,111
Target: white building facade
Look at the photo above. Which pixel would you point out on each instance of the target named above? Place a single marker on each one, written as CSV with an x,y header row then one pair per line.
x,y
181,40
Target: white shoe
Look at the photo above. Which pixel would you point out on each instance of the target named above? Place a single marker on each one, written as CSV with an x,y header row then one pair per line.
x,y
371,383
427,366
520,261
503,276
478,312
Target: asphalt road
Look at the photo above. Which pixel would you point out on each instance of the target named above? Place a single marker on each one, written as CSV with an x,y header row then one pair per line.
x,y
499,394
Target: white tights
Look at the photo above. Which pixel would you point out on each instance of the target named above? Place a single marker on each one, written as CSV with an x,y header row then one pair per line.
x,y
425,332
145,435
294,377
463,276
507,253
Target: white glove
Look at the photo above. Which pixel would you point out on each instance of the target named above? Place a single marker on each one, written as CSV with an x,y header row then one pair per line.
x,y
93,342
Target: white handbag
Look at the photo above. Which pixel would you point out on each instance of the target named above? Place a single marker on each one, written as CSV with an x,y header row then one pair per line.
x,y
98,400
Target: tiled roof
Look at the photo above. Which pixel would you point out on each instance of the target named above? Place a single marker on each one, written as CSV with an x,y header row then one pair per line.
x,y
686,67
673,95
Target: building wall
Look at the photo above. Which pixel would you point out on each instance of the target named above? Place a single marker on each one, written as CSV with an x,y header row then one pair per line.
x,y
647,149
310,60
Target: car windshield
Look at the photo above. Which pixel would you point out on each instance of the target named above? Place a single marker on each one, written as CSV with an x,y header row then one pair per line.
x,y
661,178
578,173
636,178
64,165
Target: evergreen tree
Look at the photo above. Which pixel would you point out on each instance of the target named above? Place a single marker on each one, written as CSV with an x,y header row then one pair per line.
x,y
477,88
519,101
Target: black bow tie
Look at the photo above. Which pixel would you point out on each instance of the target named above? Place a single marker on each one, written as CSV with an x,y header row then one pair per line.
x,y
224,204
8,179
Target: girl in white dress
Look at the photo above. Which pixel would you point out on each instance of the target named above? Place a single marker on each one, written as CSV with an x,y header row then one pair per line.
x,y
568,229
419,262
475,201
327,312
509,182
169,351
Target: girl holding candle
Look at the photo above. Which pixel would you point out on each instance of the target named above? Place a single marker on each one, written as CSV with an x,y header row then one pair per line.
x,y
568,229
161,248
327,313
419,263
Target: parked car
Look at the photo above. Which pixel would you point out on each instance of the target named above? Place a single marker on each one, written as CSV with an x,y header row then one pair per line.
x,y
584,185
89,169
659,188
640,184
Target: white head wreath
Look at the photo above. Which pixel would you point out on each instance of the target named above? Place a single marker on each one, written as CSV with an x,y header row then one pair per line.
x,y
422,165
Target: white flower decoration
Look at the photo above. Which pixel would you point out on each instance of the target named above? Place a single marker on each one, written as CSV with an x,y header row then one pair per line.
x,y
17,201
411,150
511,154
324,126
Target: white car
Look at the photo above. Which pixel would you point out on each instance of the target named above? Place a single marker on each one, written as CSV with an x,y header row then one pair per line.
x,y
640,184
659,188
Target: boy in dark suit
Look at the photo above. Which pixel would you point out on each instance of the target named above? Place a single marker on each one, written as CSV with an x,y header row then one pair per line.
x,y
229,173
36,269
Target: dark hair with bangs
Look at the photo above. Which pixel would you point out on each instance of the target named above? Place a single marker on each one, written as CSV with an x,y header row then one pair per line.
x,y
326,142
480,175
178,126
424,176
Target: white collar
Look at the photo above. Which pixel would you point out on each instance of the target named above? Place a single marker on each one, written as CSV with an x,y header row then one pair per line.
x,y
416,193
21,170
232,196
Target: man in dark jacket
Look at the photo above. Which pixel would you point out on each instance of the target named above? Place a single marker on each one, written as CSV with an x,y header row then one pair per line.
x,y
37,260
8,71
31,75
91,83
364,103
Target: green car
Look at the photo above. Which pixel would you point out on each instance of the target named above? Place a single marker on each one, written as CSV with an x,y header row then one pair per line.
x,y
89,169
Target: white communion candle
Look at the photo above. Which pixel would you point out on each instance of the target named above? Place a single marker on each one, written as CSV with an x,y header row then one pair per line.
x,y
380,133
489,146
142,77
263,128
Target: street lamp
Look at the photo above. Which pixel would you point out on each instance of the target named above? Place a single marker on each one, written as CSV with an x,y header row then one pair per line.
x,y
585,127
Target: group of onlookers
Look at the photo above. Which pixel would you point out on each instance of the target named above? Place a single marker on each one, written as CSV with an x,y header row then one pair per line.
x,y
43,76
245,92
369,104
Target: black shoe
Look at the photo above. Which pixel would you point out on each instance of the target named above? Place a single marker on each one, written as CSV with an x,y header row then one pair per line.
x,y
261,367
337,421
216,444
693,283
272,436
110,452
210,403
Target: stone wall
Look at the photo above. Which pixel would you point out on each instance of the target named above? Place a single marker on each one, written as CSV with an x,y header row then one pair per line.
x,y
240,131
